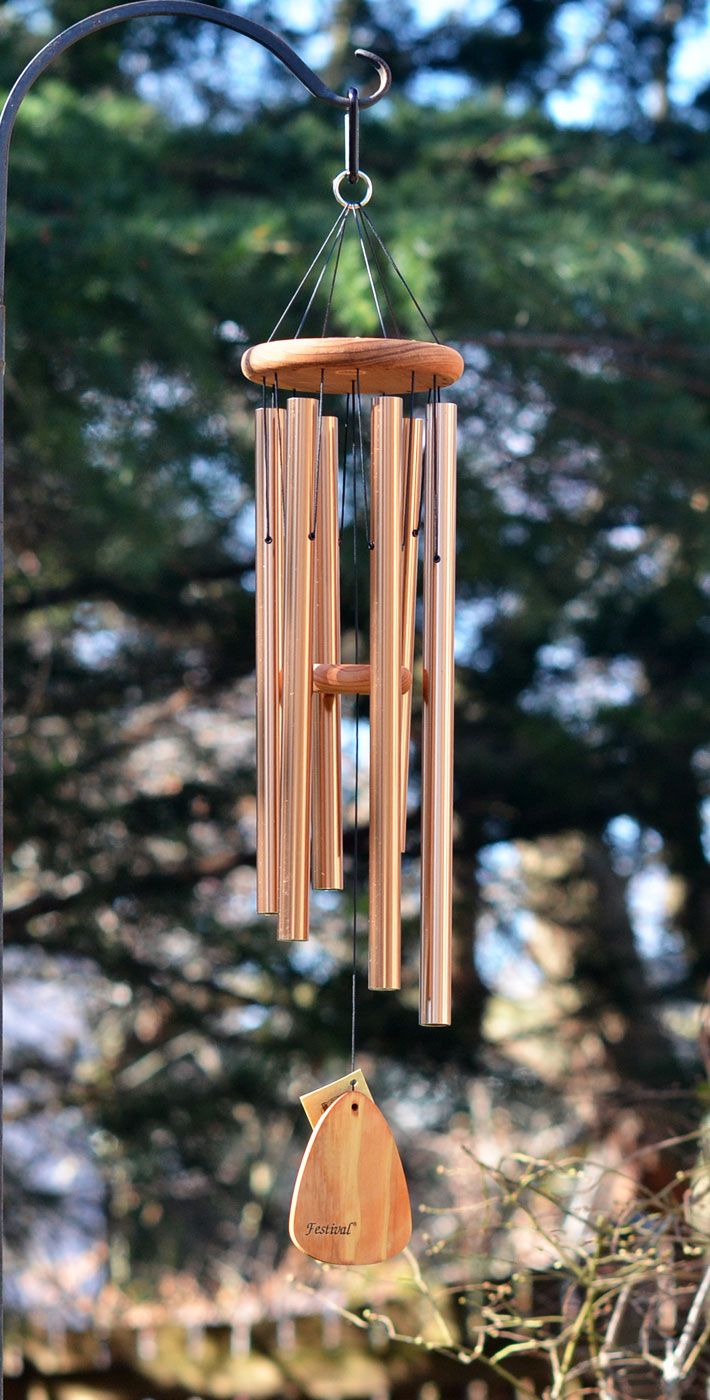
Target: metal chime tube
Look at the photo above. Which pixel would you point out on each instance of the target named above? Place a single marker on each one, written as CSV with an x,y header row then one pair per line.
x,y
269,596
385,693
437,755
413,441
327,815
297,683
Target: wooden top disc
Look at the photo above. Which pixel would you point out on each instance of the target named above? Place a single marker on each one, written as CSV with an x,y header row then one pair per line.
x,y
384,366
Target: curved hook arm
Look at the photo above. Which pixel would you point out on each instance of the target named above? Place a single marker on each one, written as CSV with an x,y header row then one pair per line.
x,y
192,9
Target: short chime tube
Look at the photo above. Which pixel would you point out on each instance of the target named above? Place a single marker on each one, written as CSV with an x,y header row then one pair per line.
x,y
385,693
297,683
327,816
413,440
269,595
437,755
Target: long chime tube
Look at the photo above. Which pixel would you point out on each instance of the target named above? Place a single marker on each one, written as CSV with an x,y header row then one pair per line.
x,y
297,684
385,694
327,814
413,441
269,595
437,755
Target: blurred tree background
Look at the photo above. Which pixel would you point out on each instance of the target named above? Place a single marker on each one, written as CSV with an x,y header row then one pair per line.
x,y
541,174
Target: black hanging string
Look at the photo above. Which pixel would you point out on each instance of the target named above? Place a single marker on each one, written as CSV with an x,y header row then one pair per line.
x,y
319,437
329,302
356,827
401,275
435,468
374,252
408,470
417,530
335,246
383,280
368,270
361,453
282,453
330,234
267,475
344,459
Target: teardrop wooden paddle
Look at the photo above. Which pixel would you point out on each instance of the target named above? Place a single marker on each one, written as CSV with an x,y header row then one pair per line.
x,y
350,1203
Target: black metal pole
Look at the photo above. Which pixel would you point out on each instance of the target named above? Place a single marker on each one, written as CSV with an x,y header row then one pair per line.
x,y
192,9
91,24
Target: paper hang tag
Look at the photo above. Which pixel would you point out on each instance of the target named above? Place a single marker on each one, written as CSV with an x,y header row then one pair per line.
x,y
316,1102
350,1203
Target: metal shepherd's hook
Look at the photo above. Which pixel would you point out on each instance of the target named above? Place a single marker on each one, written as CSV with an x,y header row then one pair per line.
x,y
191,9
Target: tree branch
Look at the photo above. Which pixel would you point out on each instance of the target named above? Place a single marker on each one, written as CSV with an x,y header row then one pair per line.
x,y
186,874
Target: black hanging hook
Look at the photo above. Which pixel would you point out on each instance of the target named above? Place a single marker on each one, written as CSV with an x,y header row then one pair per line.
x,y
384,73
142,9
352,136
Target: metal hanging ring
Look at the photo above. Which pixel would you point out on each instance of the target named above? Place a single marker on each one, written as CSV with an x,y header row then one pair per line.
x,y
352,203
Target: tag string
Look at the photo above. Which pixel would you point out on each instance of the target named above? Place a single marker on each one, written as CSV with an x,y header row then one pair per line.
x,y
436,468
267,473
282,449
319,441
356,830
408,466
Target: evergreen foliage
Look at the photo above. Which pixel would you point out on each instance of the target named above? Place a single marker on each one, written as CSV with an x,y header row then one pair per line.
x,y
145,253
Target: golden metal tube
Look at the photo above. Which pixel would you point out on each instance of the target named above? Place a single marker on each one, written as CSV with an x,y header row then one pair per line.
x,y
327,812
385,693
411,490
296,690
269,598
438,748
425,758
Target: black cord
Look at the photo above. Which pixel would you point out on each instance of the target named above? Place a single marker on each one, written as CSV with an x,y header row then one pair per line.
x,y
356,831
331,247
435,468
346,434
319,436
329,302
361,452
363,250
282,452
265,445
341,218
335,245
401,276
383,281
408,468
417,530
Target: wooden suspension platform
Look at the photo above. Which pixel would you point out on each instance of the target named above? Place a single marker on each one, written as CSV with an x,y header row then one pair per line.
x,y
381,365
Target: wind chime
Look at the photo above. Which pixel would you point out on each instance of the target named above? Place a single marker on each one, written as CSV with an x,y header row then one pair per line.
x,y
350,1203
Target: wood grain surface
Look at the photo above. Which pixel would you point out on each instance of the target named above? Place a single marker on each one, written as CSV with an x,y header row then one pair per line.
x,y
384,366
350,1203
349,678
